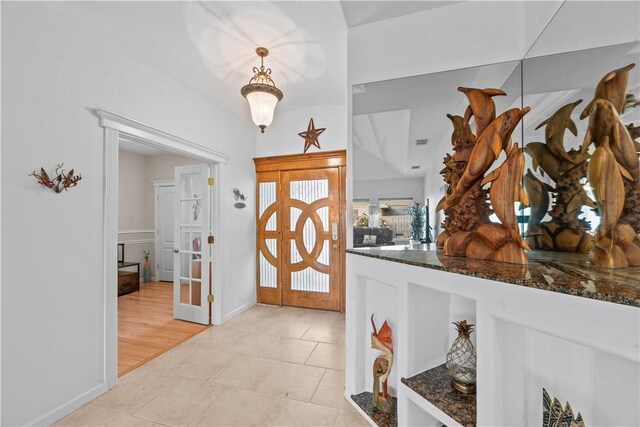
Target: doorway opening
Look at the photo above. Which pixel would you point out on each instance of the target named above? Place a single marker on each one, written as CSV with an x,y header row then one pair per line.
x,y
147,203
194,201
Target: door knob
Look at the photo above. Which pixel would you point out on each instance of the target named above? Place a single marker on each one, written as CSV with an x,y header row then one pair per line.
x,y
176,251
335,246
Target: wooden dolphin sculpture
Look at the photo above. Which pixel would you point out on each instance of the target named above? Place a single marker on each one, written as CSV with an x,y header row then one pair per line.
x,y
481,106
604,121
579,200
555,128
539,200
542,157
461,133
493,140
506,189
605,177
613,88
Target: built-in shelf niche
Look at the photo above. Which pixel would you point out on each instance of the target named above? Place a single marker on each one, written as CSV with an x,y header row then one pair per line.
x,y
432,391
430,331
365,401
602,386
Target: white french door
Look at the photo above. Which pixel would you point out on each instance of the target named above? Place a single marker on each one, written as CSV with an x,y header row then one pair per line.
x,y
192,252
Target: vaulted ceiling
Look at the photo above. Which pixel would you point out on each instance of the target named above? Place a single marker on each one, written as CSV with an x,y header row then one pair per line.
x,y
210,46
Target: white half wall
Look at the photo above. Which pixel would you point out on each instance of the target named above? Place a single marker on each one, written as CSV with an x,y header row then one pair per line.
x,y
53,71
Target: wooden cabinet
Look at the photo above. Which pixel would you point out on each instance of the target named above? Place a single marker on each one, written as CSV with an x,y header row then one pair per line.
x,y
128,281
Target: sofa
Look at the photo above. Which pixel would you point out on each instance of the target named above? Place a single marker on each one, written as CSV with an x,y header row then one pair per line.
x,y
384,236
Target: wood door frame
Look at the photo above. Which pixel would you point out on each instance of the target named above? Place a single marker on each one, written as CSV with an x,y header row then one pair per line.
x,y
157,183
320,160
118,127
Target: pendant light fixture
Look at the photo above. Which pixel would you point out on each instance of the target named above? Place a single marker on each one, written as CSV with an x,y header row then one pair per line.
x,y
262,93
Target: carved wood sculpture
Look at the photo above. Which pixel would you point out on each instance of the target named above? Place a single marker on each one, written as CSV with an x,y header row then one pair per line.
x,y
612,87
382,340
471,234
566,232
614,174
462,141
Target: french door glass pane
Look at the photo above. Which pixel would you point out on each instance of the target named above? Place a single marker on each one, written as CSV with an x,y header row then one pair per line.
x,y
268,272
190,226
310,280
323,213
309,190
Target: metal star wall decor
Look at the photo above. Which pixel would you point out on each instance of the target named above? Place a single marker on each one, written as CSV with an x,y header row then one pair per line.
x,y
311,135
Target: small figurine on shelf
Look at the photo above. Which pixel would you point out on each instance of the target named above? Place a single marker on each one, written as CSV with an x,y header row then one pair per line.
x,y
461,360
382,340
146,272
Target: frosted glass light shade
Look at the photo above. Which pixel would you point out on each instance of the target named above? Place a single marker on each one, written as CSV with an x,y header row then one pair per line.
x,y
262,105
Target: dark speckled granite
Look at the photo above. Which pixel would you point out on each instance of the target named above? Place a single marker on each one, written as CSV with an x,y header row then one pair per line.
x,y
565,273
365,402
435,386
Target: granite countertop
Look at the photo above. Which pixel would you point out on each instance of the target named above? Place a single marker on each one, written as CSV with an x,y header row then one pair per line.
x,y
365,402
565,273
435,386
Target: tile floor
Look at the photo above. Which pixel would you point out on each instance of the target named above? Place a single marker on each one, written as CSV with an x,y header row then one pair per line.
x,y
271,366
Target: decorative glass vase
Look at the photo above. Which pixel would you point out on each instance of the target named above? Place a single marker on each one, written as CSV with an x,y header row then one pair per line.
x,y
146,271
461,360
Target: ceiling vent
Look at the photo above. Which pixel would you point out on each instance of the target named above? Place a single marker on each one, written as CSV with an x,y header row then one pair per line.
x,y
422,141
415,167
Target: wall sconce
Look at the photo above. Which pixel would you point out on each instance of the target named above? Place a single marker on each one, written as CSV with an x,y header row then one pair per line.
x,y
261,93
239,199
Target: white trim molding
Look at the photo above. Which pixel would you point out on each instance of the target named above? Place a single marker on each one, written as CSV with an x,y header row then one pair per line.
x,y
142,231
167,182
150,135
137,241
117,127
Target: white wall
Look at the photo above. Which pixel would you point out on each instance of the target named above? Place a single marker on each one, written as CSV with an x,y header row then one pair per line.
x,y
133,192
53,71
445,38
389,189
282,136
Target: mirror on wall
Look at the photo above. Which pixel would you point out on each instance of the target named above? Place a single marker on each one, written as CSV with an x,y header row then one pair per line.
x,y
401,134
558,88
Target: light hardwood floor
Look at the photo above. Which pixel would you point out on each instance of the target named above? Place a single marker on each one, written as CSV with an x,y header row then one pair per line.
x,y
270,366
146,327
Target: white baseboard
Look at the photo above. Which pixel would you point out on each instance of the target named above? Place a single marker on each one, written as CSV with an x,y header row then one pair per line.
x,y
238,311
70,406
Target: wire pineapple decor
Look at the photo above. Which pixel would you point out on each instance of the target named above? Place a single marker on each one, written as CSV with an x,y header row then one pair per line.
x,y
461,359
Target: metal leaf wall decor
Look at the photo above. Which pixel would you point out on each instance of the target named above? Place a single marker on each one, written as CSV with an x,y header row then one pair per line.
x,y
62,180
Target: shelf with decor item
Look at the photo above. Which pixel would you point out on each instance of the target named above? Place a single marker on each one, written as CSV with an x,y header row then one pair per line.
x,y
580,349
431,390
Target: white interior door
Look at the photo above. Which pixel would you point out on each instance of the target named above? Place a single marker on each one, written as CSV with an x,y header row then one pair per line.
x,y
192,253
165,209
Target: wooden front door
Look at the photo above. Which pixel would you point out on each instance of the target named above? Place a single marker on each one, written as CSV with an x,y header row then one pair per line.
x,y
300,230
